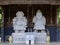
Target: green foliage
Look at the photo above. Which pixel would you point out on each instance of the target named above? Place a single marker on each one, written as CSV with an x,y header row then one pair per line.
x,y
0,16
59,19
58,15
59,9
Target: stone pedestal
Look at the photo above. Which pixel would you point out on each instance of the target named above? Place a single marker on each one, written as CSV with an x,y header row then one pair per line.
x,y
32,36
18,37
29,39
40,37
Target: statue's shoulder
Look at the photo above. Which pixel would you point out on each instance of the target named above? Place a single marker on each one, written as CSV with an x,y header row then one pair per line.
x,y
14,19
43,18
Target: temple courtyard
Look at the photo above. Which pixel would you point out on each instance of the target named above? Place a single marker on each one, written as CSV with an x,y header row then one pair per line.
x,y
52,43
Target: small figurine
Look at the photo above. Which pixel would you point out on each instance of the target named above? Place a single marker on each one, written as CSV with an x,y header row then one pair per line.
x,y
10,39
48,36
0,39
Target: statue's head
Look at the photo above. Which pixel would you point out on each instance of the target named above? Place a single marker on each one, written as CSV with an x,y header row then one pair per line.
x,y
19,14
39,14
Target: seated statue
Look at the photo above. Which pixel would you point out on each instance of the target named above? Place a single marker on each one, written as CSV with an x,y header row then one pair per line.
x,y
39,21
19,22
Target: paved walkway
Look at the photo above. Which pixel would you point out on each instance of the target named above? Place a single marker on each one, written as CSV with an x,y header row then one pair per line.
x,y
34,44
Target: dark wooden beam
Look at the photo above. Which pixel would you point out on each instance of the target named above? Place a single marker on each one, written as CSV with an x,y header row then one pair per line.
x,y
52,2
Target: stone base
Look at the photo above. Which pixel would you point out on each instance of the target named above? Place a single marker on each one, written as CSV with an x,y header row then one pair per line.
x,y
18,37
38,37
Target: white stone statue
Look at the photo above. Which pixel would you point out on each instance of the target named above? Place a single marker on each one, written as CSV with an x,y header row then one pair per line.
x,y
39,21
19,22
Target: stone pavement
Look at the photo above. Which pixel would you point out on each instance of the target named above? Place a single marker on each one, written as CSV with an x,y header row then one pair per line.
x,y
54,43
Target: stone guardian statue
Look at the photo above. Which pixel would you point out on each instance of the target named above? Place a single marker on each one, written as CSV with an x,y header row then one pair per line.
x,y
19,22
39,21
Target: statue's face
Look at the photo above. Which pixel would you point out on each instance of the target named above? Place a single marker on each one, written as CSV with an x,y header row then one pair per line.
x,y
19,14
39,15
